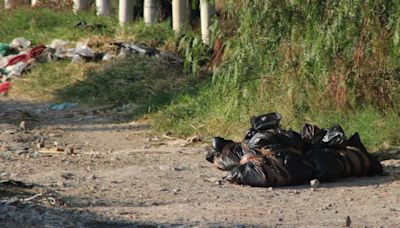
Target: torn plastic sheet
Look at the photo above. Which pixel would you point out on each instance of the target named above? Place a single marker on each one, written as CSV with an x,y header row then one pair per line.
x,y
273,156
20,42
16,69
5,87
64,106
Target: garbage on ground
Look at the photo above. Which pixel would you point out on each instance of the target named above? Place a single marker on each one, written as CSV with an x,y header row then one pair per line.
x,y
270,155
64,106
4,87
18,57
84,25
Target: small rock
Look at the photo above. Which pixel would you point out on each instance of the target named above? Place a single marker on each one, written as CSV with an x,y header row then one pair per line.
x,y
270,189
39,145
20,152
10,132
179,168
69,150
4,174
60,184
114,158
163,189
164,168
348,221
315,183
22,125
194,139
92,177
67,175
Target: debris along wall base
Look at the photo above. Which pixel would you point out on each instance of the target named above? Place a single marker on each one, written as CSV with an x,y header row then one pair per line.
x,y
272,156
18,57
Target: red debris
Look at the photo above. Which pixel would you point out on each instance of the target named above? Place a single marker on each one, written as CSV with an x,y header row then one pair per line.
x,y
4,87
19,58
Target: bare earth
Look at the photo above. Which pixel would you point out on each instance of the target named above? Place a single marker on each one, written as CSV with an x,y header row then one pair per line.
x,y
115,173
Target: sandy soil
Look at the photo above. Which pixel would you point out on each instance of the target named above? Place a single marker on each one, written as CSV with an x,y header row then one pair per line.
x,y
108,172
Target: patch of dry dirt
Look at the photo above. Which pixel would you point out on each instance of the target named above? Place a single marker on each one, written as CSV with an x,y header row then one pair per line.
x,y
110,173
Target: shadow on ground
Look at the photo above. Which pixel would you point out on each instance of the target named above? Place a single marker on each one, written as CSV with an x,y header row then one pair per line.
x,y
17,210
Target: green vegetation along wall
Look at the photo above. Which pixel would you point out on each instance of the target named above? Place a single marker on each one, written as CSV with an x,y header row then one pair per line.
x,y
318,61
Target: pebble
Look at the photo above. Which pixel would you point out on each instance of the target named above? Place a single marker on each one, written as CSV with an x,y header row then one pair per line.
x,y
60,184
10,132
92,177
179,168
348,221
163,189
22,125
164,168
67,175
315,183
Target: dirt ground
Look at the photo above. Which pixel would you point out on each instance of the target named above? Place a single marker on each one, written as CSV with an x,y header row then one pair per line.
x,y
90,168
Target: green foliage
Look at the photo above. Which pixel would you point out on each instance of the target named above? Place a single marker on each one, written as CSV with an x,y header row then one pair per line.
x,y
156,35
44,25
145,82
311,60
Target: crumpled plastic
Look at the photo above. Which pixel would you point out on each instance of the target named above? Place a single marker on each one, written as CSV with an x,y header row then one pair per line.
x,y
3,49
57,43
82,49
273,156
20,42
5,87
64,106
16,69
24,57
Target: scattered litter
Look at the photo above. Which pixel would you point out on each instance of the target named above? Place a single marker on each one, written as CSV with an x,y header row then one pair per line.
x,y
194,139
84,25
64,106
32,197
315,183
52,150
5,87
82,49
18,57
58,44
20,42
22,125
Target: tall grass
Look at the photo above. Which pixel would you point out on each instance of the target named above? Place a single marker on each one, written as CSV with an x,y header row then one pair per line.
x,y
41,26
316,61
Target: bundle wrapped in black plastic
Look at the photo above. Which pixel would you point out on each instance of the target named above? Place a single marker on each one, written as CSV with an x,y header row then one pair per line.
x,y
272,156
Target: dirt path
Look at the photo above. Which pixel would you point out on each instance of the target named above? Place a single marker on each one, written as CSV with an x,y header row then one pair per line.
x,y
120,174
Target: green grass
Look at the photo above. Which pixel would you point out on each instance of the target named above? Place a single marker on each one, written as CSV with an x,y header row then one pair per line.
x,y
328,63
41,26
147,82
332,63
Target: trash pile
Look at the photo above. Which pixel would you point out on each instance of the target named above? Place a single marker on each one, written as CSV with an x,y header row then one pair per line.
x,y
270,156
18,57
